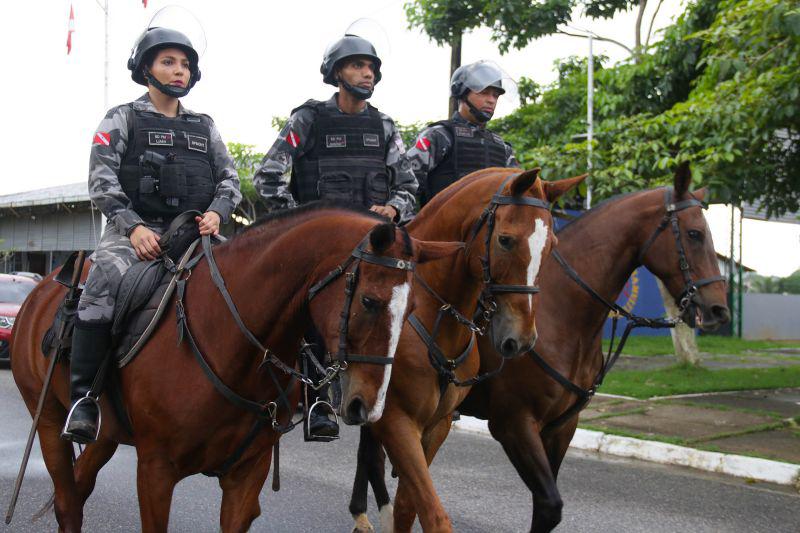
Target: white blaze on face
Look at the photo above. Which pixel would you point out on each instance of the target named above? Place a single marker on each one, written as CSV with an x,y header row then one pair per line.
x,y
536,243
397,309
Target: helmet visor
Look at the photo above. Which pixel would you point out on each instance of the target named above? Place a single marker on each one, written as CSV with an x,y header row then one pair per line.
x,y
181,19
483,74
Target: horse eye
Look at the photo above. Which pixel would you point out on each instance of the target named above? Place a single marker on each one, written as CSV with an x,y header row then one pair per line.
x,y
695,235
505,241
370,304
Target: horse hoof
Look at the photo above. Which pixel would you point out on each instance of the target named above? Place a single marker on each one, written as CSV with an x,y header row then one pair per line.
x,y
362,524
387,518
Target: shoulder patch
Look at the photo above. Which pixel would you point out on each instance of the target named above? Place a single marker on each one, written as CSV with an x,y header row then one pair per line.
x,y
423,143
103,138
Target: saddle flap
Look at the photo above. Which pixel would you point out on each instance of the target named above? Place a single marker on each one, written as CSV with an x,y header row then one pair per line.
x,y
137,286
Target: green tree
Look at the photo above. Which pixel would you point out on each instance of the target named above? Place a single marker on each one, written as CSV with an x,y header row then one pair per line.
x,y
246,160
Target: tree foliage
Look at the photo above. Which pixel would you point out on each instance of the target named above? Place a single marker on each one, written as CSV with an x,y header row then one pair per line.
x,y
246,160
720,90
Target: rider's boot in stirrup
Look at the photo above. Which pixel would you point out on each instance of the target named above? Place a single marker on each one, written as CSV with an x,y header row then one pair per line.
x,y
321,421
90,344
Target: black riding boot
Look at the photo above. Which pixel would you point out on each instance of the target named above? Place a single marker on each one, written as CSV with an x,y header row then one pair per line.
x,y
90,344
321,422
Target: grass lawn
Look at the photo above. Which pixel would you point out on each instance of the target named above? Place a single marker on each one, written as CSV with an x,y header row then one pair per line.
x,y
642,345
685,380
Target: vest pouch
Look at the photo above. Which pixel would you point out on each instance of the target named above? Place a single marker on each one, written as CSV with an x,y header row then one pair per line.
x,y
377,188
337,182
147,185
173,180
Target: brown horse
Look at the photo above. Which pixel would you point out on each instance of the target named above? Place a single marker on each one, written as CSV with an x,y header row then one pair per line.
x,y
502,214
524,405
181,423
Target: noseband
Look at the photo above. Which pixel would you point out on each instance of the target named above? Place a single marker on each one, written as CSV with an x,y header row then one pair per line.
x,y
487,303
686,298
351,282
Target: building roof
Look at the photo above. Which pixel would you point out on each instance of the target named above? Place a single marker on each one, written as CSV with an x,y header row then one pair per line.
x,y
756,211
74,192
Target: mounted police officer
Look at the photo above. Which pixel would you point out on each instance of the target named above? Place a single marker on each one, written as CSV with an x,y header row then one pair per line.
x,y
151,159
450,149
340,149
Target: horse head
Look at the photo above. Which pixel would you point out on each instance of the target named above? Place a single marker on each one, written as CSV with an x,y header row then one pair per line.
x,y
681,253
519,235
374,299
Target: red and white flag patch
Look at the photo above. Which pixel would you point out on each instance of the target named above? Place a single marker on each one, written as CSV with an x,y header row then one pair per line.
x,y
423,144
292,139
102,137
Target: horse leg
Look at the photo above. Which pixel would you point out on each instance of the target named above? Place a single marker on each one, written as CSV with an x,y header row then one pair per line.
x,y
523,445
88,465
557,443
358,499
57,454
241,487
376,466
156,478
415,492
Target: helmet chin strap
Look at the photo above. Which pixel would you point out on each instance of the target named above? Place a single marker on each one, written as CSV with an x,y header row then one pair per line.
x,y
479,115
169,90
358,92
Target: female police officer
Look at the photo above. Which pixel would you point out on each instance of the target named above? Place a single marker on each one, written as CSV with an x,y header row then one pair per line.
x,y
151,159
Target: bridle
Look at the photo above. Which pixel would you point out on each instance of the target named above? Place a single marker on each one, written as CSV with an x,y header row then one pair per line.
x,y
351,276
685,301
487,304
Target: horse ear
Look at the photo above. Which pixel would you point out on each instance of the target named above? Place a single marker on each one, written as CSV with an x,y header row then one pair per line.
x,y
700,193
554,189
683,179
382,237
522,182
432,250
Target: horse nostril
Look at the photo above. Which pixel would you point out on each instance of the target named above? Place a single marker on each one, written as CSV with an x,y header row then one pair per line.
x,y
509,347
721,313
356,412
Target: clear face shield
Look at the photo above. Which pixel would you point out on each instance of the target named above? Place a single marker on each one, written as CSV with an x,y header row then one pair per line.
x,y
180,19
483,74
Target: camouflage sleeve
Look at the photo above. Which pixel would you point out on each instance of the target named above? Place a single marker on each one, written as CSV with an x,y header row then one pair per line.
x,y
274,176
403,183
108,147
227,195
511,159
429,149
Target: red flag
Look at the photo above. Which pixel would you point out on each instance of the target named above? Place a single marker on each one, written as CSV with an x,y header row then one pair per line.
x,y
144,3
102,138
70,29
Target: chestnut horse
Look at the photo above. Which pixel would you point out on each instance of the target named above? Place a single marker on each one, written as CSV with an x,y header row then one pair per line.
x,y
503,216
181,423
525,406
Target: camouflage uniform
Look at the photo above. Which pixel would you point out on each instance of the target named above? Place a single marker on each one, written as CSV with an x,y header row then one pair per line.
x,y
115,254
434,143
273,178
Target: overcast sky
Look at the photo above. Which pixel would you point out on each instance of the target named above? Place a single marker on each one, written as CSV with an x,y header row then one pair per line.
x,y
262,60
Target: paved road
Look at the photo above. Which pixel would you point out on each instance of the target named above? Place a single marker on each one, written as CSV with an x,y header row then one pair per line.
x,y
479,488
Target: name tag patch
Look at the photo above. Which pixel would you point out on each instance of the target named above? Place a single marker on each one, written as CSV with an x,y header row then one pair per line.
x,y
372,139
159,138
197,143
336,141
461,131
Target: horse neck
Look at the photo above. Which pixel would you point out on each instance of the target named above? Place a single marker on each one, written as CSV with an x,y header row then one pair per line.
x,y
603,248
450,277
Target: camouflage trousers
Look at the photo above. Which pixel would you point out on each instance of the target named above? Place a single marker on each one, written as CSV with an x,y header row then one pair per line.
x,y
112,258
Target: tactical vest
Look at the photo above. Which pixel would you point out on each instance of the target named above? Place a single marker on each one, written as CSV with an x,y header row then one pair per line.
x,y
348,159
473,149
167,167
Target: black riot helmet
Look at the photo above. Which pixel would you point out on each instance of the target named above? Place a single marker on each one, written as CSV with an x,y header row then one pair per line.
x,y
476,77
150,42
349,46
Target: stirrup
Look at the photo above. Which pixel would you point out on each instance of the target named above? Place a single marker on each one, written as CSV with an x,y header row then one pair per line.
x,y
310,437
69,436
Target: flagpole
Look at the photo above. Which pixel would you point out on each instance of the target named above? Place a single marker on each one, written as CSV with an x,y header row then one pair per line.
x,y
105,64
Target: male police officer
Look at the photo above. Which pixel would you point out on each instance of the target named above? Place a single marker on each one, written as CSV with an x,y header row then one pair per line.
x,y
151,159
340,149
450,149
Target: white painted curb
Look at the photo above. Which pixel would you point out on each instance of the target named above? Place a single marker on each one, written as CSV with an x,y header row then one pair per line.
x,y
671,454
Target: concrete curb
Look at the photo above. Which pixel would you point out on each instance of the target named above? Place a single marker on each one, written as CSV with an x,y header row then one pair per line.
x,y
671,454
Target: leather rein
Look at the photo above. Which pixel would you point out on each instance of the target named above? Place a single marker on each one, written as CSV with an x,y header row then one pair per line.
x,y
634,321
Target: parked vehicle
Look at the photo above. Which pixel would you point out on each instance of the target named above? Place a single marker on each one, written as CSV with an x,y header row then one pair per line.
x,y
33,275
13,291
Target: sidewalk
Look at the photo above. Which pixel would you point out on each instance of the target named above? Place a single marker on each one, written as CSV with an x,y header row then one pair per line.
x,y
750,434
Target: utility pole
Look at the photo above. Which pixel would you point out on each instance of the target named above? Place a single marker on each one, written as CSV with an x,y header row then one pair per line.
x,y
104,7
589,121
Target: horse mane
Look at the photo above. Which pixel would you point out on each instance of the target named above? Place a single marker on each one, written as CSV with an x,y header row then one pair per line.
x,y
597,209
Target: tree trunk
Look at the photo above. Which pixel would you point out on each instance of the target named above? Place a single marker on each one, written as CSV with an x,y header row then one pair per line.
x,y
637,49
455,62
683,338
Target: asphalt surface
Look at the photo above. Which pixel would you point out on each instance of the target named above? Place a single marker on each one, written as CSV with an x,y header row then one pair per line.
x,y
477,484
